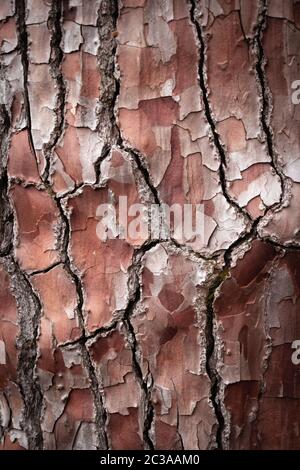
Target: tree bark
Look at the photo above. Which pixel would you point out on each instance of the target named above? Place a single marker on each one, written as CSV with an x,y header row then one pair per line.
x,y
160,341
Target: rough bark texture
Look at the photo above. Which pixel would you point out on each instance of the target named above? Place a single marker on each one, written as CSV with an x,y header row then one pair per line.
x,y
151,342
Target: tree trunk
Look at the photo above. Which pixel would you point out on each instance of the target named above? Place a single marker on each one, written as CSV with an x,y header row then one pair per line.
x,y
121,328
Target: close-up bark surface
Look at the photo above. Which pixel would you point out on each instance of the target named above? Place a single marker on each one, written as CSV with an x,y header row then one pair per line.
x,y
156,341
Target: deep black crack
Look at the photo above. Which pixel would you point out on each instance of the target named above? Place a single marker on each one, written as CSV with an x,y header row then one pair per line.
x,y
6,218
211,257
134,300
211,368
97,165
98,332
144,172
148,405
283,246
23,48
266,108
249,235
211,359
45,270
6,212
101,415
209,115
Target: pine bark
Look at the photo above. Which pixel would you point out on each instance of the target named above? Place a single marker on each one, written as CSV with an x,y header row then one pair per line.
x,y
155,342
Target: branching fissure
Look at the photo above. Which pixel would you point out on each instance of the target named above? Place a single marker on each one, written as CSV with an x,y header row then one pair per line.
x,y
251,231
107,24
211,366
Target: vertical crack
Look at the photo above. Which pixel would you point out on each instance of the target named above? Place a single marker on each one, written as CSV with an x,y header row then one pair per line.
x,y
211,367
208,112
101,415
146,383
210,333
54,22
266,100
251,233
109,87
29,313
108,128
6,213
211,357
144,172
23,48
28,305
56,57
146,389
6,218
268,349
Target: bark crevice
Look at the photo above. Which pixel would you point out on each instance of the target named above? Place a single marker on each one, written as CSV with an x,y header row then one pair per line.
x,y
28,305
56,57
266,99
209,115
